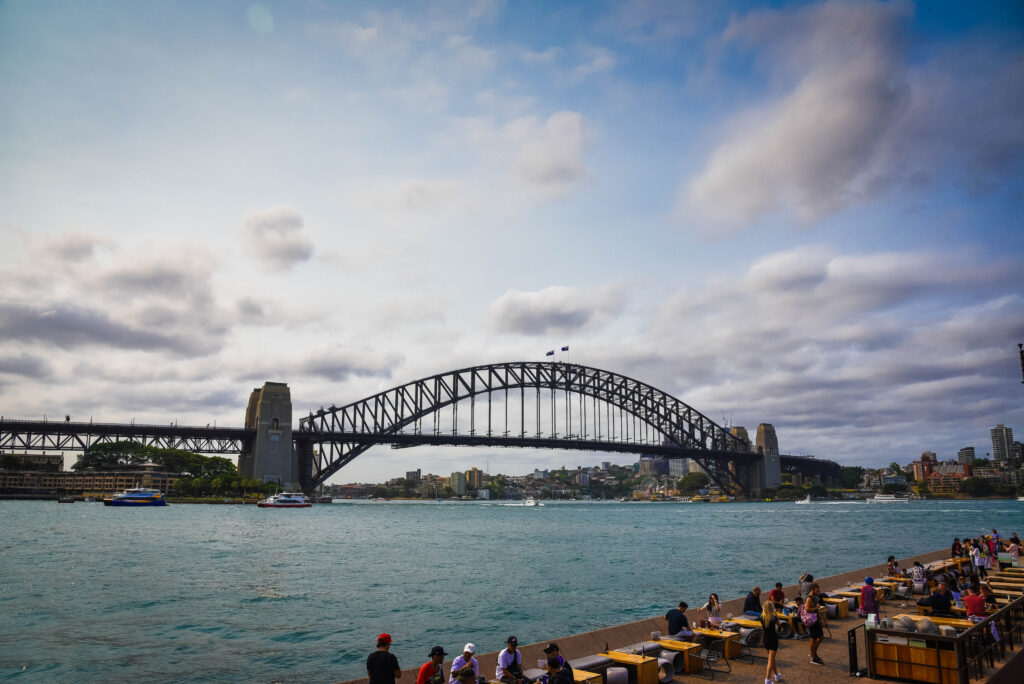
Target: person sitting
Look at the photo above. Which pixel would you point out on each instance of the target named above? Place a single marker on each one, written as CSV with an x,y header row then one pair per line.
x,y
939,602
678,625
777,596
892,567
713,610
974,602
510,663
557,672
918,573
552,651
752,603
463,661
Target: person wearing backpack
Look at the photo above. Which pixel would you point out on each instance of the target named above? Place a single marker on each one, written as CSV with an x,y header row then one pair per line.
x,y
809,616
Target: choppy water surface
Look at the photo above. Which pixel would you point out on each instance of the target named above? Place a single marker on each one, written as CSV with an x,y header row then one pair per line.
x,y
237,593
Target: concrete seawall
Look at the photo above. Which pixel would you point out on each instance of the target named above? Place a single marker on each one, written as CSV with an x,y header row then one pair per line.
x,y
588,643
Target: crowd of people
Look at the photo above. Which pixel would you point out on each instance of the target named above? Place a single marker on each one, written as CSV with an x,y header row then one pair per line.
x,y
969,588
382,665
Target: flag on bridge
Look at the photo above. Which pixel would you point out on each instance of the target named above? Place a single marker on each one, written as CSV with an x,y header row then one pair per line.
x,y
550,353
565,349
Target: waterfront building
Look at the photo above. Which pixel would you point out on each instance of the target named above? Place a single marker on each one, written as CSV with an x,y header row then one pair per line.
x,y
924,467
653,465
458,484
474,479
540,474
965,456
945,477
583,479
28,482
1002,441
413,475
678,467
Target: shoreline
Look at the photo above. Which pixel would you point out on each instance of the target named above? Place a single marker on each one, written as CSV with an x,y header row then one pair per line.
x,y
616,636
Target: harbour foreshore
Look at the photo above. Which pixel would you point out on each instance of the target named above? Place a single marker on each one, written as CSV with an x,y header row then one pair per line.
x,y
589,643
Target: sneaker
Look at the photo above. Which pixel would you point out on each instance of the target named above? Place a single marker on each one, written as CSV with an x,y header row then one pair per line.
x,y
778,676
817,661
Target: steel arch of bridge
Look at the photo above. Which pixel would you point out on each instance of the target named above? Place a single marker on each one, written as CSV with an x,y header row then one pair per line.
x,y
343,433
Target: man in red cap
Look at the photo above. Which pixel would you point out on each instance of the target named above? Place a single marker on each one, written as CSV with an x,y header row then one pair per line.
x,y
381,665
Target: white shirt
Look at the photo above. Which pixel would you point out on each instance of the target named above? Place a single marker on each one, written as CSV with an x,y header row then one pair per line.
x,y
505,659
460,663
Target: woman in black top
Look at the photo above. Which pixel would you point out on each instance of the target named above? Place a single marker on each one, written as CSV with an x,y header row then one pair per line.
x,y
769,621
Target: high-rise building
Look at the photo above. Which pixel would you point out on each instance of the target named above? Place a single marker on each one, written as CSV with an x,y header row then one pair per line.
x,y
413,475
678,467
767,442
458,484
925,466
474,479
1002,440
965,456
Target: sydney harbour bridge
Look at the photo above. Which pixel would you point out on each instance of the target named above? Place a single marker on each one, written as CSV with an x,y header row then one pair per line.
x,y
524,404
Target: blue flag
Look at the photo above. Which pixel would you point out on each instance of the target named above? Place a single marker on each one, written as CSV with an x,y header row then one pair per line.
x,y
550,353
565,349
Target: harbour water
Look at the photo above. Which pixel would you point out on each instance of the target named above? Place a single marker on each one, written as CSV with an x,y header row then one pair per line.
x,y
237,593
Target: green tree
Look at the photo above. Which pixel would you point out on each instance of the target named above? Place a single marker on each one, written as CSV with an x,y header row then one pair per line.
x,y
818,491
894,488
981,463
111,454
976,487
850,476
693,482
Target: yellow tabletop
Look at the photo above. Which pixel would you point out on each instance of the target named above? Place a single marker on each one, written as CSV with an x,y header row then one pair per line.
x,y
887,583
693,662
584,676
745,622
716,633
954,622
626,658
674,645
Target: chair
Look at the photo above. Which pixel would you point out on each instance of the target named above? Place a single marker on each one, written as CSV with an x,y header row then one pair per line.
x,y
677,658
784,629
749,638
617,675
666,671
710,654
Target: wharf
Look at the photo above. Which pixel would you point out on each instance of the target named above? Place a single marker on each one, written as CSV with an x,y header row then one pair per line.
x,y
793,654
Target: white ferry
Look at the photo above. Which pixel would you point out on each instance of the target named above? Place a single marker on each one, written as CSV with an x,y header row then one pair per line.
x,y
139,496
286,500
806,500
889,498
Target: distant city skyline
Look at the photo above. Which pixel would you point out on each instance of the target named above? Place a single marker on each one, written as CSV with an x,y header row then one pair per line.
x,y
736,202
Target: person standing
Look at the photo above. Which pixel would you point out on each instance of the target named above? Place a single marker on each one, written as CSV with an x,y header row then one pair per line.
x,y
678,625
463,661
814,630
770,623
978,560
868,599
510,663
382,665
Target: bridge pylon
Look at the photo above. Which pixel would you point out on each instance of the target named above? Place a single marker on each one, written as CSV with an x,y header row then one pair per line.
x,y
271,457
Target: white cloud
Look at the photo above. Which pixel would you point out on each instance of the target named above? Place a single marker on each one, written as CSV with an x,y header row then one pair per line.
x,y
276,237
859,118
550,157
554,310
598,59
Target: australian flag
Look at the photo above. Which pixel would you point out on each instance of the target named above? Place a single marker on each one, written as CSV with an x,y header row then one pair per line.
x,y
550,353
565,349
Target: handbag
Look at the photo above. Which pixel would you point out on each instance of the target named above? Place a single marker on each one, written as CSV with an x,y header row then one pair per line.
x,y
808,618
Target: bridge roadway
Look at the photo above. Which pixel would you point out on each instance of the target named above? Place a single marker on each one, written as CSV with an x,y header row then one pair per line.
x,y
29,435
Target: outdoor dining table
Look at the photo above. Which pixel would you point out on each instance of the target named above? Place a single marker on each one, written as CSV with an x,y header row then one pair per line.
x,y
953,622
732,644
646,667
691,649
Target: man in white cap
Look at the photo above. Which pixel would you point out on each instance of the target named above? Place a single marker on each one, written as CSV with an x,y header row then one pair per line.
x,y
463,661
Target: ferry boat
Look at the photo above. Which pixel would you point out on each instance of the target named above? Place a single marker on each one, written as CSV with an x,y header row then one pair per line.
x,y
138,496
889,498
285,500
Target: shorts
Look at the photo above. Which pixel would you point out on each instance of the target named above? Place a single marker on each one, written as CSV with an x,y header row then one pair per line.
x,y
815,631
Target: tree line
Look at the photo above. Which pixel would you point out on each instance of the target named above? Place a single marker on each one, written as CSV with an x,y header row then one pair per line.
x,y
198,475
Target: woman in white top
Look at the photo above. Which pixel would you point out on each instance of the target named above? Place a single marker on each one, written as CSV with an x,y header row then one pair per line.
x,y
712,607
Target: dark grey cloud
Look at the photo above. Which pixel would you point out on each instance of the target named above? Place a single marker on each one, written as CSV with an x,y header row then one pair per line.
x,y
68,327
73,247
553,310
276,236
333,365
29,365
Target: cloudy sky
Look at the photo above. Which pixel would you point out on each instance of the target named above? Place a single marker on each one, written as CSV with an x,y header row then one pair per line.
x,y
808,214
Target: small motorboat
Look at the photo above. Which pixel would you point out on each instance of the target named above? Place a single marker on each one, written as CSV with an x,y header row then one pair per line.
x,y
806,500
286,500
